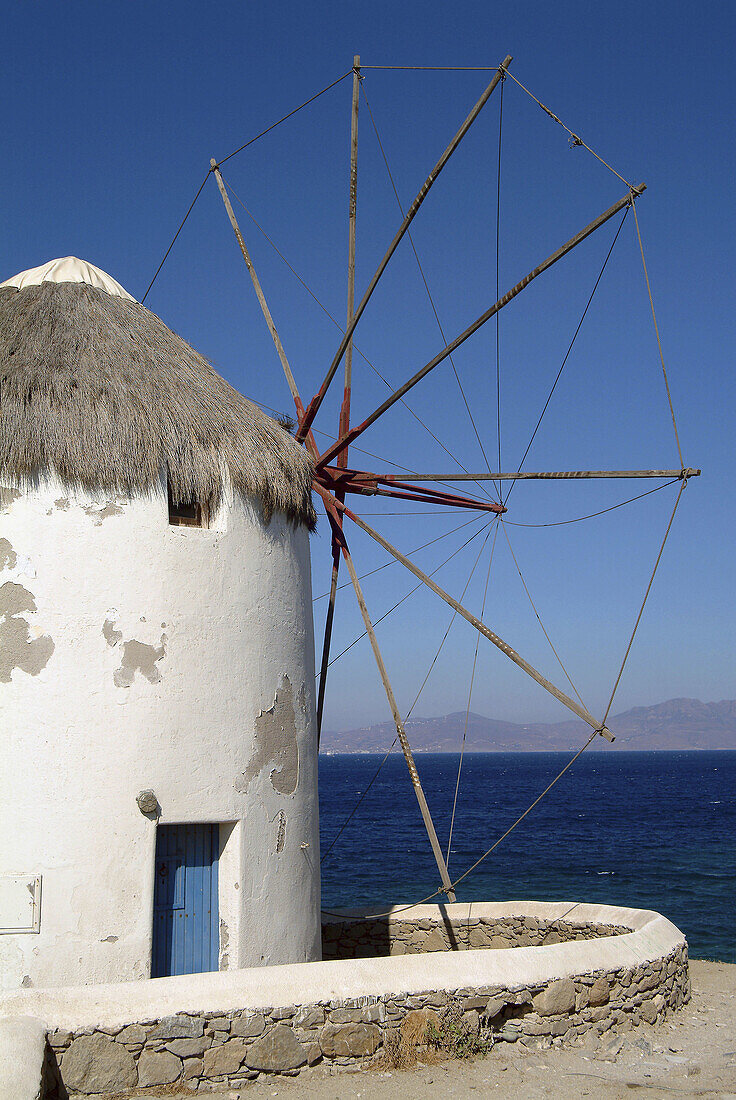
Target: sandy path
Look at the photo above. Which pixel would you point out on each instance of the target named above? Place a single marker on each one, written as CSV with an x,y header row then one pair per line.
x,y
692,1054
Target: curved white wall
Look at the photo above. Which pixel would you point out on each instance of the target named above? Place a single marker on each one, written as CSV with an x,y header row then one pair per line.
x,y
136,655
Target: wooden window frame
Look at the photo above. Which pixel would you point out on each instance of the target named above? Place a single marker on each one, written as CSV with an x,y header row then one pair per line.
x,y
200,518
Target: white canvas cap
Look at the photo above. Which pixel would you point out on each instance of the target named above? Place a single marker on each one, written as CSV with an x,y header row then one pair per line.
x,y
68,270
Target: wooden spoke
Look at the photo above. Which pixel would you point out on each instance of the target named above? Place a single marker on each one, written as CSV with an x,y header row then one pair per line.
x,y
332,508
290,380
339,480
505,648
316,401
545,475
353,434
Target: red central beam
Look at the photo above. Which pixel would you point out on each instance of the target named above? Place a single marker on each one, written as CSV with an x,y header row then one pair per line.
x,y
340,481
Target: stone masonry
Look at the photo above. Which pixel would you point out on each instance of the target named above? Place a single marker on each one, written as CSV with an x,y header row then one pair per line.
x,y
201,1052
352,939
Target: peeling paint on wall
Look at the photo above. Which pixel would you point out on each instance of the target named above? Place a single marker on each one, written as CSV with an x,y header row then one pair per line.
x,y
16,648
281,834
8,557
224,945
100,514
7,496
276,743
111,635
139,657
61,504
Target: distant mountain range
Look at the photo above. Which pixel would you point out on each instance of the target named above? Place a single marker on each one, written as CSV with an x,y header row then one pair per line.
x,y
676,724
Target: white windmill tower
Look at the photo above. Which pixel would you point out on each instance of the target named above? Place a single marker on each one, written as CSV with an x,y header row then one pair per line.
x,y
158,779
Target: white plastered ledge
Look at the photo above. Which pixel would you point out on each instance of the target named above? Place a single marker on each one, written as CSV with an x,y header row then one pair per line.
x,y
652,937
68,269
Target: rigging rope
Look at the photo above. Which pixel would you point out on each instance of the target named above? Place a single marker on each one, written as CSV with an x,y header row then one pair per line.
x,y
409,593
576,140
289,115
539,619
356,807
644,601
348,584
354,810
441,68
363,356
424,281
592,515
527,811
569,764
410,515
361,450
181,226
449,627
485,855
569,350
470,696
245,146
656,329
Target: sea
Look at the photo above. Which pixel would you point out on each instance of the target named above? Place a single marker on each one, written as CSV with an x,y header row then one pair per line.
x,y
651,830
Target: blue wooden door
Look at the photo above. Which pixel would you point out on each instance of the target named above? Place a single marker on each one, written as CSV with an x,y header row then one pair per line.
x,y
185,910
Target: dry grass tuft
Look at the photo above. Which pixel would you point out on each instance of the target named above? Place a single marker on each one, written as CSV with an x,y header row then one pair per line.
x,y
424,1036
397,1054
455,1036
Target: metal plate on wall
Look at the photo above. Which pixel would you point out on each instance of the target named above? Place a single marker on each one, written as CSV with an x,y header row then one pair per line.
x,y
20,903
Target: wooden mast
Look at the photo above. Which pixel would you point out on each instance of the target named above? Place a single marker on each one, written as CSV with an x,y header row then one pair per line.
x,y
345,412
344,423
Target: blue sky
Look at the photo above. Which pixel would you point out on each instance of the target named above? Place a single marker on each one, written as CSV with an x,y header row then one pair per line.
x,y
112,114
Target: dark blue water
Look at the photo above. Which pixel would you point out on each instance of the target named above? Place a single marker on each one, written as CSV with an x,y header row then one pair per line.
x,y
649,830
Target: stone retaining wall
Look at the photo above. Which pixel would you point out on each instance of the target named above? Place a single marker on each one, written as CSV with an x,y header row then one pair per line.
x,y
216,1030
203,1051
350,938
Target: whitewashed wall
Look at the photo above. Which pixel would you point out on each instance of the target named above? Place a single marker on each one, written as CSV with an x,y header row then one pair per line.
x,y
137,655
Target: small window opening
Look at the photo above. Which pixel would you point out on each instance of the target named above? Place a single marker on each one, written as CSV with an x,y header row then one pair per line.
x,y
189,513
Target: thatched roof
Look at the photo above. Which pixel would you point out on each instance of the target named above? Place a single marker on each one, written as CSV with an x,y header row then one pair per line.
x,y
96,388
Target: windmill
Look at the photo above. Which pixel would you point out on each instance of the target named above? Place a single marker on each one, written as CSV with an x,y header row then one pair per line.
x,y
335,479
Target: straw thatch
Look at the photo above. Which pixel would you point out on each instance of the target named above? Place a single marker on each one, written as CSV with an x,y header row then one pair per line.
x,y
99,390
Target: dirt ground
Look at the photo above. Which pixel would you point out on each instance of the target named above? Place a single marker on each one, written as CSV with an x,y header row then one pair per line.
x,y
692,1054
